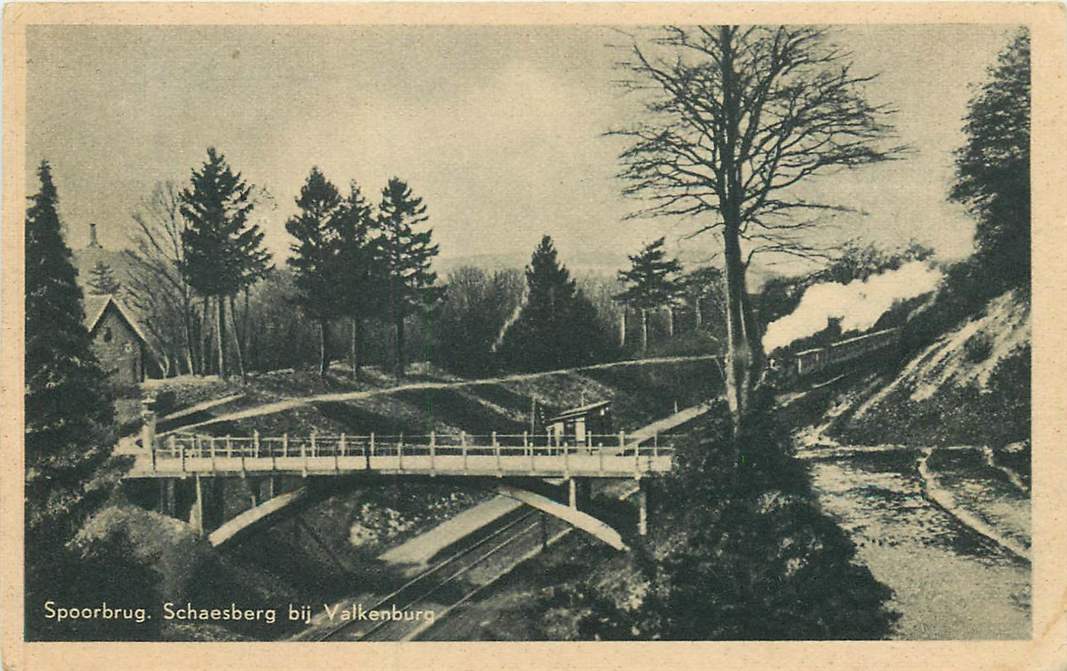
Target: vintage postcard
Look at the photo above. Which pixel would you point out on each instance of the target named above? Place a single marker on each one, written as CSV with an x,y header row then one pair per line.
x,y
533,335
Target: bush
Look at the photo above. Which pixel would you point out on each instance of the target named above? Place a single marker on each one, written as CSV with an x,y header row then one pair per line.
x,y
95,569
978,347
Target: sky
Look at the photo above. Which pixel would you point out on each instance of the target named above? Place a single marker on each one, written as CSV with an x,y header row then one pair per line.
x,y
498,129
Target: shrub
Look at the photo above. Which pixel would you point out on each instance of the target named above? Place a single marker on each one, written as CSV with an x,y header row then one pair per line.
x,y
978,347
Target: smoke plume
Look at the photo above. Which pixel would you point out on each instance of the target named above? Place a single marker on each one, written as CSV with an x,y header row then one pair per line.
x,y
512,318
858,304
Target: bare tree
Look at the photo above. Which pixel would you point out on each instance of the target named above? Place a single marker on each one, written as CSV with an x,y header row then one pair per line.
x,y
736,117
157,289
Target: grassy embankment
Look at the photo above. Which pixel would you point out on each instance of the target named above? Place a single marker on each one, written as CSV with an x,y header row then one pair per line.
x,y
288,563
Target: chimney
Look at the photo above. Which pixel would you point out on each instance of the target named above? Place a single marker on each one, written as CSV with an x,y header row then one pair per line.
x,y
92,236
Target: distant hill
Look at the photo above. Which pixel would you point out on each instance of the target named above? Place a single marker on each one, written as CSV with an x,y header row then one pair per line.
x,y
592,263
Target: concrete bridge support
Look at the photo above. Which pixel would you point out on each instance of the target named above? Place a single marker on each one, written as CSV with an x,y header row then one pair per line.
x,y
168,497
206,514
642,508
579,491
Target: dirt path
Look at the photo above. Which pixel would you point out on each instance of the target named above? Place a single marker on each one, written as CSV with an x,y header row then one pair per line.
x,y
949,582
275,407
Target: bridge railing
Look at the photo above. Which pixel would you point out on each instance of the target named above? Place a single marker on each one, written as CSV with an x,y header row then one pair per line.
x,y
187,445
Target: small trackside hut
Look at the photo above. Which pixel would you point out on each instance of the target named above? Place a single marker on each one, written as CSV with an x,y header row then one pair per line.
x,y
579,425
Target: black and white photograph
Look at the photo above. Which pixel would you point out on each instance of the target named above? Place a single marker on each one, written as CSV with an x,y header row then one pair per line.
x,y
462,332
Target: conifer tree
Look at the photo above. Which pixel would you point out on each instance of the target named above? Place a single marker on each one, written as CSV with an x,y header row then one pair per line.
x,y
313,260
360,274
69,408
102,280
68,405
557,327
653,283
410,284
223,251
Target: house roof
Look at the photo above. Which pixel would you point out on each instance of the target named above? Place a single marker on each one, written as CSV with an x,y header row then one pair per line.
x,y
96,307
579,411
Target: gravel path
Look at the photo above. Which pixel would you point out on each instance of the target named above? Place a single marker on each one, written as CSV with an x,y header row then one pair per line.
x,y
949,581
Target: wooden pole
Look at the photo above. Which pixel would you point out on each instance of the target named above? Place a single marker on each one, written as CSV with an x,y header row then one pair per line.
x,y
433,449
496,450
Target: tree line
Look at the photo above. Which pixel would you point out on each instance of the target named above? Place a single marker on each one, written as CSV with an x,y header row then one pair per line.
x,y
195,251
213,302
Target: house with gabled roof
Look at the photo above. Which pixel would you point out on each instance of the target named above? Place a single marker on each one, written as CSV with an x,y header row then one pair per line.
x,y
118,341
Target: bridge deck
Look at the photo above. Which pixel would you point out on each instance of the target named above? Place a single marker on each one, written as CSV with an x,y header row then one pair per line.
x,y
184,454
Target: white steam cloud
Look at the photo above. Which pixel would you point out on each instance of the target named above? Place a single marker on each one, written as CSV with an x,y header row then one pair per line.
x,y
512,318
859,304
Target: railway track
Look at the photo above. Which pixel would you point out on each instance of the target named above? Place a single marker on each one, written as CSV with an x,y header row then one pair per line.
x,y
451,582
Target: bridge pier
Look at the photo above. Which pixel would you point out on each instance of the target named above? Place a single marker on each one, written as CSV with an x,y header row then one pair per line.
x,y
206,513
168,497
642,508
579,491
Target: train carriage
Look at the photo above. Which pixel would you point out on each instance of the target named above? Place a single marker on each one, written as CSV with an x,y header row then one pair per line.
x,y
790,367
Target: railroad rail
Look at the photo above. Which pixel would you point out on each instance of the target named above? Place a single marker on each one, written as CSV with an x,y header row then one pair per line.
x,y
502,455
441,587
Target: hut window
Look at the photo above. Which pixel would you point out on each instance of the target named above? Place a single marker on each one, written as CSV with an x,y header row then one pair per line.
x,y
107,334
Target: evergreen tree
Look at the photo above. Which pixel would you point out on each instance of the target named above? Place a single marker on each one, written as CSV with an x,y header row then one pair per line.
x,y
313,262
69,408
653,283
993,167
223,252
360,273
102,280
557,327
406,255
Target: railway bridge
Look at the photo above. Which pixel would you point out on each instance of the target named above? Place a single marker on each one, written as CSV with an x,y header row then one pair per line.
x,y
548,472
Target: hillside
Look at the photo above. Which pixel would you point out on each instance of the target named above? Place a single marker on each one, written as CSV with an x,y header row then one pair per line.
x,y
295,401
331,550
970,386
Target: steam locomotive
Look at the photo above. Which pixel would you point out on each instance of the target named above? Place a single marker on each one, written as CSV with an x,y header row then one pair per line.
x,y
790,367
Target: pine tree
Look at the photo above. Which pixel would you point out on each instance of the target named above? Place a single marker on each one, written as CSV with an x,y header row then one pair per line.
x,y
652,283
557,327
360,273
223,252
102,280
406,256
993,167
69,408
313,260
68,405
